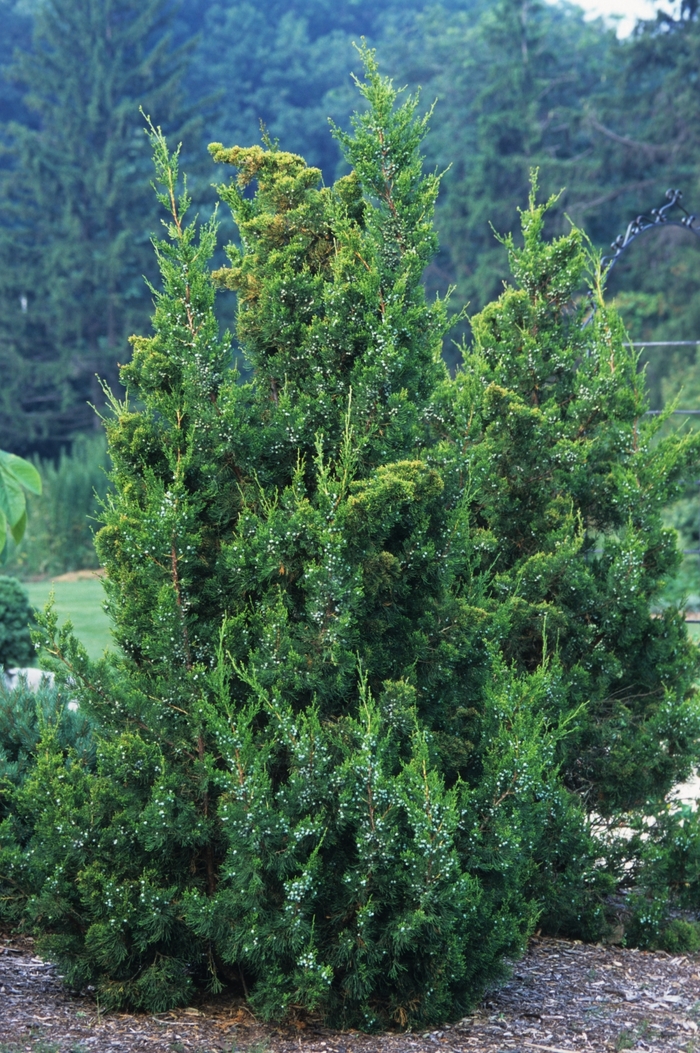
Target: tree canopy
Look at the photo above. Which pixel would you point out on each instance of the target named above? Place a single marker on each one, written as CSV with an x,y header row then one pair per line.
x,y
75,219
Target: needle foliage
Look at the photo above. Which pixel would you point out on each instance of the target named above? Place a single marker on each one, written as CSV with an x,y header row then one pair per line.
x,y
572,478
328,749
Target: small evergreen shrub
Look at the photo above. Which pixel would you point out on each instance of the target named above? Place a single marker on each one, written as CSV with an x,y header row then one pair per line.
x,y
25,711
658,871
16,647
681,937
27,714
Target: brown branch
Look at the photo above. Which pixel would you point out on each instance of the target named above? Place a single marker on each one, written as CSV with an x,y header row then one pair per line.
x,y
650,149
603,199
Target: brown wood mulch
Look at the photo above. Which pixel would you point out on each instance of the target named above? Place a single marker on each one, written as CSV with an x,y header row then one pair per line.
x,y
563,997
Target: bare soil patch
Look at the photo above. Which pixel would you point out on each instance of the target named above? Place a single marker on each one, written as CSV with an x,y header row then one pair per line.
x,y
562,997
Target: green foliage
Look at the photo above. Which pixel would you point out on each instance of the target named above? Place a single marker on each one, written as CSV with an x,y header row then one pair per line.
x,y
16,647
657,858
83,602
681,937
16,476
571,479
293,60
76,214
512,80
29,715
519,83
25,712
366,614
59,535
17,31
609,123
315,777
398,896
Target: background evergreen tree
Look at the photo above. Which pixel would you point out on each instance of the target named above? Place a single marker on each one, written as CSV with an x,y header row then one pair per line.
x,y
74,219
16,33
292,62
512,79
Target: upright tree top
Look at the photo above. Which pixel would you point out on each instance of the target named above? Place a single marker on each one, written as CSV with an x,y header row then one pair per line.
x,y
329,279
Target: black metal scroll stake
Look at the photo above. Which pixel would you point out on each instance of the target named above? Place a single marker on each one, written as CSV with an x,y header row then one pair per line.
x,y
657,218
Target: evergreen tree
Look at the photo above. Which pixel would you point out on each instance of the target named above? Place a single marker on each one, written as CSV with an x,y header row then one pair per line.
x,y
571,479
74,217
512,79
365,611
314,779
293,60
16,33
646,140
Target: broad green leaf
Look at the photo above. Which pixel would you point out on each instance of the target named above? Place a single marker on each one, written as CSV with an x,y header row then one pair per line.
x,y
3,529
12,499
17,529
25,473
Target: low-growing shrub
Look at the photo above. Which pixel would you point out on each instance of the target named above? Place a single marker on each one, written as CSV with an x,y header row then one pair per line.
x,y
29,714
16,647
658,872
25,712
681,937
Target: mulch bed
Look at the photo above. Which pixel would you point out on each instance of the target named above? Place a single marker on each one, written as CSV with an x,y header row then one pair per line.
x,y
563,997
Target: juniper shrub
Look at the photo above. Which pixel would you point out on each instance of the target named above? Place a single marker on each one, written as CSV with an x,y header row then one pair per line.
x,y
328,747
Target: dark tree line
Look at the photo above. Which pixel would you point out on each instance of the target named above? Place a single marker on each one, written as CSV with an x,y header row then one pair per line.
x,y
519,84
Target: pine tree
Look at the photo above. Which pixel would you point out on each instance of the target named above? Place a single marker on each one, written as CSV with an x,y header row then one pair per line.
x,y
314,778
76,215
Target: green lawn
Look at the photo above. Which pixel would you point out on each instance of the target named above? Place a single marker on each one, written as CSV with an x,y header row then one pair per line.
x,y
694,631
81,602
